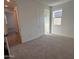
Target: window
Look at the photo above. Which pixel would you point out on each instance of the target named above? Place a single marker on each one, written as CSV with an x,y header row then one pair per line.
x,y
57,15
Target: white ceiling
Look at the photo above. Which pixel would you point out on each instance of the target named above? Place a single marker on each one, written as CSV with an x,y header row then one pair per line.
x,y
53,2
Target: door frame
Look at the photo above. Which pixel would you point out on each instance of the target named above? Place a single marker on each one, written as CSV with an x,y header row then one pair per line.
x,y
17,20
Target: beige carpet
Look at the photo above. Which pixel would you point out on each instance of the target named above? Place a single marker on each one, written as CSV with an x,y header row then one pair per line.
x,y
45,47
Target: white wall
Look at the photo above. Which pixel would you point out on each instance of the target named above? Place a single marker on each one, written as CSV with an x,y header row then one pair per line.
x,y
67,23
31,19
10,21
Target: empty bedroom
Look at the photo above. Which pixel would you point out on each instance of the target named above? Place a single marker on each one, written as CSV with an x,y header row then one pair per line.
x,y
39,29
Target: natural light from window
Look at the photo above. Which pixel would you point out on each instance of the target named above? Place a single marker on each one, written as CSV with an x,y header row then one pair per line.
x,y
57,16
46,21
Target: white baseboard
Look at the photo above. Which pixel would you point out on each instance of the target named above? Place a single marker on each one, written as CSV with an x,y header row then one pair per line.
x,y
64,35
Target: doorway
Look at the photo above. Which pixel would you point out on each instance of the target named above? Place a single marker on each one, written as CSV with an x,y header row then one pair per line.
x,y
14,37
